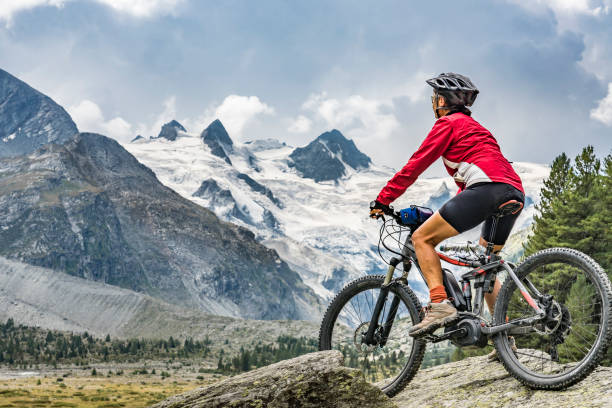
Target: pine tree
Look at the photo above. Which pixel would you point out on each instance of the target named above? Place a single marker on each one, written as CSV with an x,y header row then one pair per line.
x,y
575,212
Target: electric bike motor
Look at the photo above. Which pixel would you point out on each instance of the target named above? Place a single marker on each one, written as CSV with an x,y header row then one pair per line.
x,y
471,335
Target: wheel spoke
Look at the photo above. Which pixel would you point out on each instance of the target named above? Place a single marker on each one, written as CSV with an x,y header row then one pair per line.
x,y
380,365
560,344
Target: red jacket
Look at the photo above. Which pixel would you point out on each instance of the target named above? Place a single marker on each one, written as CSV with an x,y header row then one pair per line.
x,y
469,151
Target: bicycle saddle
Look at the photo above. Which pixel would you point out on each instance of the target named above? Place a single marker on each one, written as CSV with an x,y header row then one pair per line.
x,y
509,207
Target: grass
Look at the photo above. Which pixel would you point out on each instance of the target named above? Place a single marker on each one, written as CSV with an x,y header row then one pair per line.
x,y
93,392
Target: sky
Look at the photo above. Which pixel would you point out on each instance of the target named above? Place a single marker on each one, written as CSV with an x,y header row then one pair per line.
x,y
291,70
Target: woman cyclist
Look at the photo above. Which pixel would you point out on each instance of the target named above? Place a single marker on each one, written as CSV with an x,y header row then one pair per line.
x,y
485,178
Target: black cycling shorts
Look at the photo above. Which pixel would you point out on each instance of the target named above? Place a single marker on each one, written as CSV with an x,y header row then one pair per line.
x,y
478,203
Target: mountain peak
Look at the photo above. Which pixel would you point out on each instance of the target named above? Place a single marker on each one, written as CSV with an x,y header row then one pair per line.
x,y
29,118
170,130
332,135
346,148
216,131
217,138
325,157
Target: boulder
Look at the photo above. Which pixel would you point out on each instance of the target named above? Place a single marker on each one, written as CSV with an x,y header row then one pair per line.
x,y
316,380
476,382
319,380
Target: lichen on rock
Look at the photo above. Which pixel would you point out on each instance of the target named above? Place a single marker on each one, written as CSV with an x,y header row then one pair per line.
x,y
312,380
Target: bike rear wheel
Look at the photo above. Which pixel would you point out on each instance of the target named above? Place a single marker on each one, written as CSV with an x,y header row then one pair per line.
x,y
571,341
390,366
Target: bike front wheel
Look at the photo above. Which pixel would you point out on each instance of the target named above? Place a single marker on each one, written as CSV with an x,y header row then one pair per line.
x,y
390,363
571,340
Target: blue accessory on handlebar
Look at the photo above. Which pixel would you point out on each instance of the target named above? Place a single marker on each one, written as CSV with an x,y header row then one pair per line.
x,y
415,215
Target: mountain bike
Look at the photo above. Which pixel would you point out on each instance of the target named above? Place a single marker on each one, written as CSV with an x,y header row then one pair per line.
x,y
556,305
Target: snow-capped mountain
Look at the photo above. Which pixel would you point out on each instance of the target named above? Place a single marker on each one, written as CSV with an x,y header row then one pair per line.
x,y
170,130
308,203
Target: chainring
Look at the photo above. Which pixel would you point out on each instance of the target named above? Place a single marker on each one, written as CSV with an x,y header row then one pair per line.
x,y
556,324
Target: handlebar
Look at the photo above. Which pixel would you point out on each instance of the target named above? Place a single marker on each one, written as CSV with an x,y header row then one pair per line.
x,y
389,211
394,230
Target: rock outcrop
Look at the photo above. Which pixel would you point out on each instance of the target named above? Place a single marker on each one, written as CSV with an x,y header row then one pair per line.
x,y
316,380
259,188
170,130
29,119
326,157
217,139
475,382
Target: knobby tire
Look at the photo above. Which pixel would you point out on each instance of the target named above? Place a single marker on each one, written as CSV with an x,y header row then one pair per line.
x,y
598,276
411,302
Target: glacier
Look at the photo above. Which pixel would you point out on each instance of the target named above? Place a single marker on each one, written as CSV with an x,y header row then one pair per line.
x,y
321,229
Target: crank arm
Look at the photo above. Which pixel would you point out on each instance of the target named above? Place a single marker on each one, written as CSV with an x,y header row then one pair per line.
x,y
488,330
436,339
521,330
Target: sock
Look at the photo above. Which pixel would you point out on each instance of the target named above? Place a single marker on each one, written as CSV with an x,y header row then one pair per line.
x,y
437,294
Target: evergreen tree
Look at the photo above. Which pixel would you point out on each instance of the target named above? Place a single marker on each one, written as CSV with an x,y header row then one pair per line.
x,y
575,211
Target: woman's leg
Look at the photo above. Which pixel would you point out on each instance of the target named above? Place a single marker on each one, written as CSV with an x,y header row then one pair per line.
x,y
425,238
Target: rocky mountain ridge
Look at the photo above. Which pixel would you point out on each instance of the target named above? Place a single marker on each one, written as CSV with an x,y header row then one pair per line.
x,y
170,130
217,139
327,157
42,297
29,119
90,209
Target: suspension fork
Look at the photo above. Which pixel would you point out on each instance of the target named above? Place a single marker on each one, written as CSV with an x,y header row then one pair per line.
x,y
389,321
380,302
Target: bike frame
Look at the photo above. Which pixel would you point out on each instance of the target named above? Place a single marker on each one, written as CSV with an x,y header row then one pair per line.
x,y
482,274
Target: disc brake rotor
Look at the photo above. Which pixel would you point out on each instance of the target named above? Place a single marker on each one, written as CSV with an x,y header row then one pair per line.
x,y
553,319
360,331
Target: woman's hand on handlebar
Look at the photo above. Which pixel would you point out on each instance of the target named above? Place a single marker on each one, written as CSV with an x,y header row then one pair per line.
x,y
378,209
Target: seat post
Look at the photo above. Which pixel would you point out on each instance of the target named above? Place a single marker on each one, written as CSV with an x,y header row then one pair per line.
x,y
490,244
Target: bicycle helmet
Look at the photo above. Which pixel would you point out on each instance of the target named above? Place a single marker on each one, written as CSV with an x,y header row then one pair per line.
x,y
457,89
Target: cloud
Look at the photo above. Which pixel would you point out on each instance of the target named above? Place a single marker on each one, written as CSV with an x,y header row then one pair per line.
x,y
8,8
415,88
89,118
164,117
235,112
567,8
301,124
603,112
585,17
135,8
356,115
142,8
